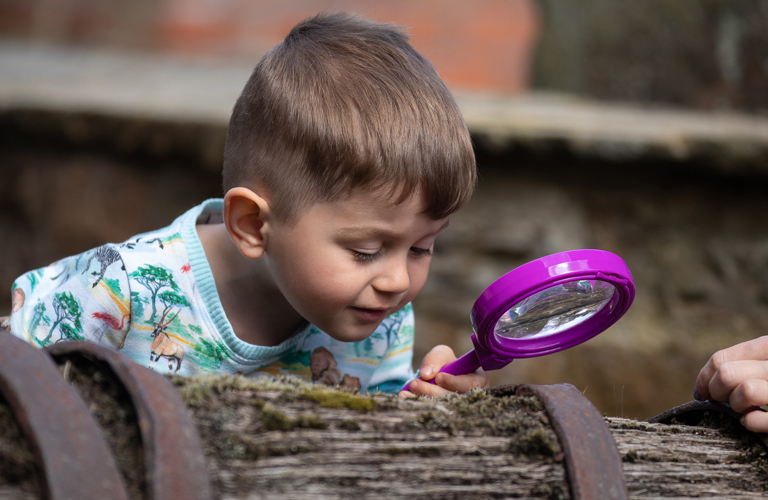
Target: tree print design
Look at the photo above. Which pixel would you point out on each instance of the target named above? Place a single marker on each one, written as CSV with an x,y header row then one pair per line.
x,y
68,313
68,333
38,316
171,299
154,279
212,350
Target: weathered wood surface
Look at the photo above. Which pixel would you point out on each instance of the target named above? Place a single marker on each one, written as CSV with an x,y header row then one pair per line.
x,y
337,445
683,461
278,439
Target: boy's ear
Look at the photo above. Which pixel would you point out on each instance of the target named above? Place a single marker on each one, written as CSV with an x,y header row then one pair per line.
x,y
245,215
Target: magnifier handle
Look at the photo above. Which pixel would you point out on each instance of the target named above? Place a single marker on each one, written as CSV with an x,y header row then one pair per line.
x,y
468,363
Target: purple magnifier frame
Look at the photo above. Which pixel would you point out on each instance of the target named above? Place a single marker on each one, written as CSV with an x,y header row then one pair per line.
x,y
493,351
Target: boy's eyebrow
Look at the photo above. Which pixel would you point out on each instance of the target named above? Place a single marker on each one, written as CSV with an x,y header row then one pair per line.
x,y
367,231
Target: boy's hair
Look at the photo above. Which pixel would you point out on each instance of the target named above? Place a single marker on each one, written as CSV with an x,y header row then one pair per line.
x,y
345,103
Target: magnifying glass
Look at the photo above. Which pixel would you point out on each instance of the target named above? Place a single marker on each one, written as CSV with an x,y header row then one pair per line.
x,y
546,306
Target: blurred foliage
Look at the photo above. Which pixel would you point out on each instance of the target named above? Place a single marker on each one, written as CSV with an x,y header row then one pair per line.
x,y
702,54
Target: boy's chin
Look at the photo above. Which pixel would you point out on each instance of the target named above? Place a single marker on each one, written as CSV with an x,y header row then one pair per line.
x,y
356,334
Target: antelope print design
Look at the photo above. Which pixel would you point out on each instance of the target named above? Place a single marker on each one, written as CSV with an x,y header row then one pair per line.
x,y
107,256
162,345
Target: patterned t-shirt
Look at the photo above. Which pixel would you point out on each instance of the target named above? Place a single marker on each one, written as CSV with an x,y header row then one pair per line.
x,y
154,299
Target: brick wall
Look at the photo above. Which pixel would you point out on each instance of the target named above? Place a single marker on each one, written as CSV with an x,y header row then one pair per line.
x,y
485,45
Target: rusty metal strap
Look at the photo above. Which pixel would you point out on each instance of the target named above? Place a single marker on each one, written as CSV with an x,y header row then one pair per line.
x,y
173,454
68,445
592,461
695,409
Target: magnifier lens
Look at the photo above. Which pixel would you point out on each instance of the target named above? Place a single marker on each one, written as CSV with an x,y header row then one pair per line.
x,y
554,309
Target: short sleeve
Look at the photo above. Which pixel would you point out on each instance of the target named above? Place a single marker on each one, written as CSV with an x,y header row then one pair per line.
x,y
396,366
84,297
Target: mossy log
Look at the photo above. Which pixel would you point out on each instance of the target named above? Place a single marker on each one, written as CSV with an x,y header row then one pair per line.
x,y
279,438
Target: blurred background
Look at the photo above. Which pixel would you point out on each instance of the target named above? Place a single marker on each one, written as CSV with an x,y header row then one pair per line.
x,y
634,127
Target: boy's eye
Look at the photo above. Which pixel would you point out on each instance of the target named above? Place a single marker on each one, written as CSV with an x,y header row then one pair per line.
x,y
365,257
421,251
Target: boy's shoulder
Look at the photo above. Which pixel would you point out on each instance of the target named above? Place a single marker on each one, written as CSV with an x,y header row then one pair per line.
x,y
100,294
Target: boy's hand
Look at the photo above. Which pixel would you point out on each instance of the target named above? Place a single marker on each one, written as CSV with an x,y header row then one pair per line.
x,y
433,362
739,376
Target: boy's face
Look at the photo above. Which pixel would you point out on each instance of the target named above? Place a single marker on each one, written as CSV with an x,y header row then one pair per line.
x,y
348,264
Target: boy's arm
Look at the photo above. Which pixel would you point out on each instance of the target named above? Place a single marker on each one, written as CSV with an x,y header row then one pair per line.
x,y
444,383
739,375
84,297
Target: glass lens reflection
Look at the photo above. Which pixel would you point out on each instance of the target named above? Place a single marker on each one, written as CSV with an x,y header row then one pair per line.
x,y
554,309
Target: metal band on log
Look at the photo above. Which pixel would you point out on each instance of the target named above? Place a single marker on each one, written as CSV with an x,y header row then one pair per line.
x,y
175,466
593,463
67,443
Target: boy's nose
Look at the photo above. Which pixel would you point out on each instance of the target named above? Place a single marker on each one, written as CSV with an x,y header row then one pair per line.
x,y
394,278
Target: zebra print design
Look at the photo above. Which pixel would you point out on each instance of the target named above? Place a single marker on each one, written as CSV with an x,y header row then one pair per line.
x,y
107,256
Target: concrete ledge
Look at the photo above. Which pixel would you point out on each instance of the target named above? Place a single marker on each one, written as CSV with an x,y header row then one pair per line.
x,y
619,131
159,89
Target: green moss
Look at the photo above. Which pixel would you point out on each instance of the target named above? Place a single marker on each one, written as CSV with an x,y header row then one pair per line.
x,y
536,441
309,421
550,491
672,430
195,392
275,420
630,456
348,425
331,398
635,425
521,418
435,421
239,447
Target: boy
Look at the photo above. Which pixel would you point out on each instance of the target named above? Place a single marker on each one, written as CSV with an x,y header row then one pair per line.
x,y
345,155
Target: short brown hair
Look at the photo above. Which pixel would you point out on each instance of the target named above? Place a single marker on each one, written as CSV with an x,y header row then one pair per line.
x,y
343,103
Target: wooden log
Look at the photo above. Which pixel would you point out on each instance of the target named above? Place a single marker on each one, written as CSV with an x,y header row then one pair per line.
x,y
279,438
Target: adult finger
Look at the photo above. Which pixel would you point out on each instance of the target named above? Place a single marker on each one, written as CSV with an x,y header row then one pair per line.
x,y
749,395
755,421
756,349
732,374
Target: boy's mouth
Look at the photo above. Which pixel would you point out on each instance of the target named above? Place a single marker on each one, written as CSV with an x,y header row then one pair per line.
x,y
367,314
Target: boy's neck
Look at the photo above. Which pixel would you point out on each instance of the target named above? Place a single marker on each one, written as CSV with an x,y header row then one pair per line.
x,y
257,310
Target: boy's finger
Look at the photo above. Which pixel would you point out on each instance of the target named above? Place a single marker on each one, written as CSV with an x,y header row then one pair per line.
x,y
421,388
731,375
435,359
405,394
755,421
461,383
749,395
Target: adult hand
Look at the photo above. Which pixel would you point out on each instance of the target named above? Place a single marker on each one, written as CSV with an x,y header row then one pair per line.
x,y
738,375
444,383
